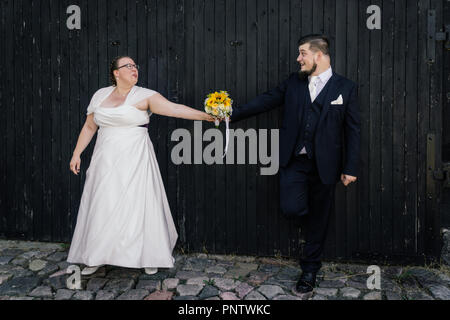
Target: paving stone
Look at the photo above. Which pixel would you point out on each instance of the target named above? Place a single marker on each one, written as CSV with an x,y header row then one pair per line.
x,y
33,254
213,298
58,273
189,289
197,264
19,286
349,292
418,295
374,295
208,292
105,295
424,276
20,272
5,277
216,270
64,294
49,268
289,273
243,289
170,283
57,256
254,295
6,269
357,284
63,265
244,259
119,285
331,284
160,275
42,292
439,291
27,245
83,295
328,292
149,285
319,297
5,259
270,291
160,295
269,268
198,281
391,295
22,298
228,296
185,298
12,252
241,270
225,284
37,265
256,278
57,282
134,294
286,297
185,275
444,279
285,284
123,273
20,262
95,284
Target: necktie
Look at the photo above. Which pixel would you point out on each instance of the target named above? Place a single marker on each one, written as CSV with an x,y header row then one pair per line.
x,y
313,87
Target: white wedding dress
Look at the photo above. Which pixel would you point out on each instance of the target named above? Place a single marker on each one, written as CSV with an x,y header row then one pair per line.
x,y
124,217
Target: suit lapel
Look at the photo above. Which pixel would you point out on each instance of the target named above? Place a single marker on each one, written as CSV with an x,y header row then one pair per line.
x,y
302,96
330,96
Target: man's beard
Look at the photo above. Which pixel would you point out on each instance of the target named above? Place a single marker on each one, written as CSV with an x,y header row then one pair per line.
x,y
303,75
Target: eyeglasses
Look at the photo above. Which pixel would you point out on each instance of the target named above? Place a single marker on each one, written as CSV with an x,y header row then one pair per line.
x,y
129,66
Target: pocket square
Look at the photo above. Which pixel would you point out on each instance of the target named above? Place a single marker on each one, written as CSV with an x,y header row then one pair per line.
x,y
338,100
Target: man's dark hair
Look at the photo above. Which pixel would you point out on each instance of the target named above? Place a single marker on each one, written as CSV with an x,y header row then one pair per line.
x,y
316,42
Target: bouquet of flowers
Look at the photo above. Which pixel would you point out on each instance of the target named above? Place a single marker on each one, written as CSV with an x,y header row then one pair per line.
x,y
218,104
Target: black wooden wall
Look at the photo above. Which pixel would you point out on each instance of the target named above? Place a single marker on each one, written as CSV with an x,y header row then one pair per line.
x,y
187,48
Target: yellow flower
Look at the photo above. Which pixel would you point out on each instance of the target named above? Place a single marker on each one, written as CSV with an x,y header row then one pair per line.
x,y
215,111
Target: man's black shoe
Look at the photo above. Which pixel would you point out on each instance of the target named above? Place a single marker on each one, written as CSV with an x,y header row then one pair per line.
x,y
306,283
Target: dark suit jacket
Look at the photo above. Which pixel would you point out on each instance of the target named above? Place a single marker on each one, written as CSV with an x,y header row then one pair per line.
x,y
338,127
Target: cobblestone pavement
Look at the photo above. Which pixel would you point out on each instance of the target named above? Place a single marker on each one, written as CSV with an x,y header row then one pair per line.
x,y
37,271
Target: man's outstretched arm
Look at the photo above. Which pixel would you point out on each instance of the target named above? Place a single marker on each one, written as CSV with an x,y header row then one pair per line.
x,y
262,103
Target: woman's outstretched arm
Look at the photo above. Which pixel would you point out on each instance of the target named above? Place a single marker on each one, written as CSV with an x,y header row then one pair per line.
x,y
160,105
86,134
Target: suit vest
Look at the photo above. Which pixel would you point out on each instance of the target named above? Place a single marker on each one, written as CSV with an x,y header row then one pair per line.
x,y
308,118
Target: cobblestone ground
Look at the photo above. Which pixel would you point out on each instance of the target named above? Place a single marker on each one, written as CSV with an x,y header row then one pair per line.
x,y
37,271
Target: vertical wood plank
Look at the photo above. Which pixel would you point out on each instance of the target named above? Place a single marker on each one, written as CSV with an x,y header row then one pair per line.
x,y
340,67
423,82
387,127
364,93
352,62
411,133
399,120
233,237
374,138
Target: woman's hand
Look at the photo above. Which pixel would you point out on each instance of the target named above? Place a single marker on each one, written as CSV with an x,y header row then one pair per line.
x,y
209,117
75,164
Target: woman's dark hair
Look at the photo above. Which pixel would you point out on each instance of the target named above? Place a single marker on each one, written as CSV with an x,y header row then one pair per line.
x,y
317,42
113,66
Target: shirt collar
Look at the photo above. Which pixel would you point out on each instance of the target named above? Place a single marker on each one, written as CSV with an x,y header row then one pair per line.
x,y
325,76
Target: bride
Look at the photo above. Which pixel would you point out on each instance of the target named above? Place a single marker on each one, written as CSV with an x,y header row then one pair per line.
x,y
124,217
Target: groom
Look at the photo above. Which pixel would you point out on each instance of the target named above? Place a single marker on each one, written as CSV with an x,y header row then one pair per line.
x,y
320,125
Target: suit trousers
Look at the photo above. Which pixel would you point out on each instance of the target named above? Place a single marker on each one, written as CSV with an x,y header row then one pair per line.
x,y
309,203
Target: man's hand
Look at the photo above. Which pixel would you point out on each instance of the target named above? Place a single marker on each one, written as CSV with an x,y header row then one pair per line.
x,y
346,179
